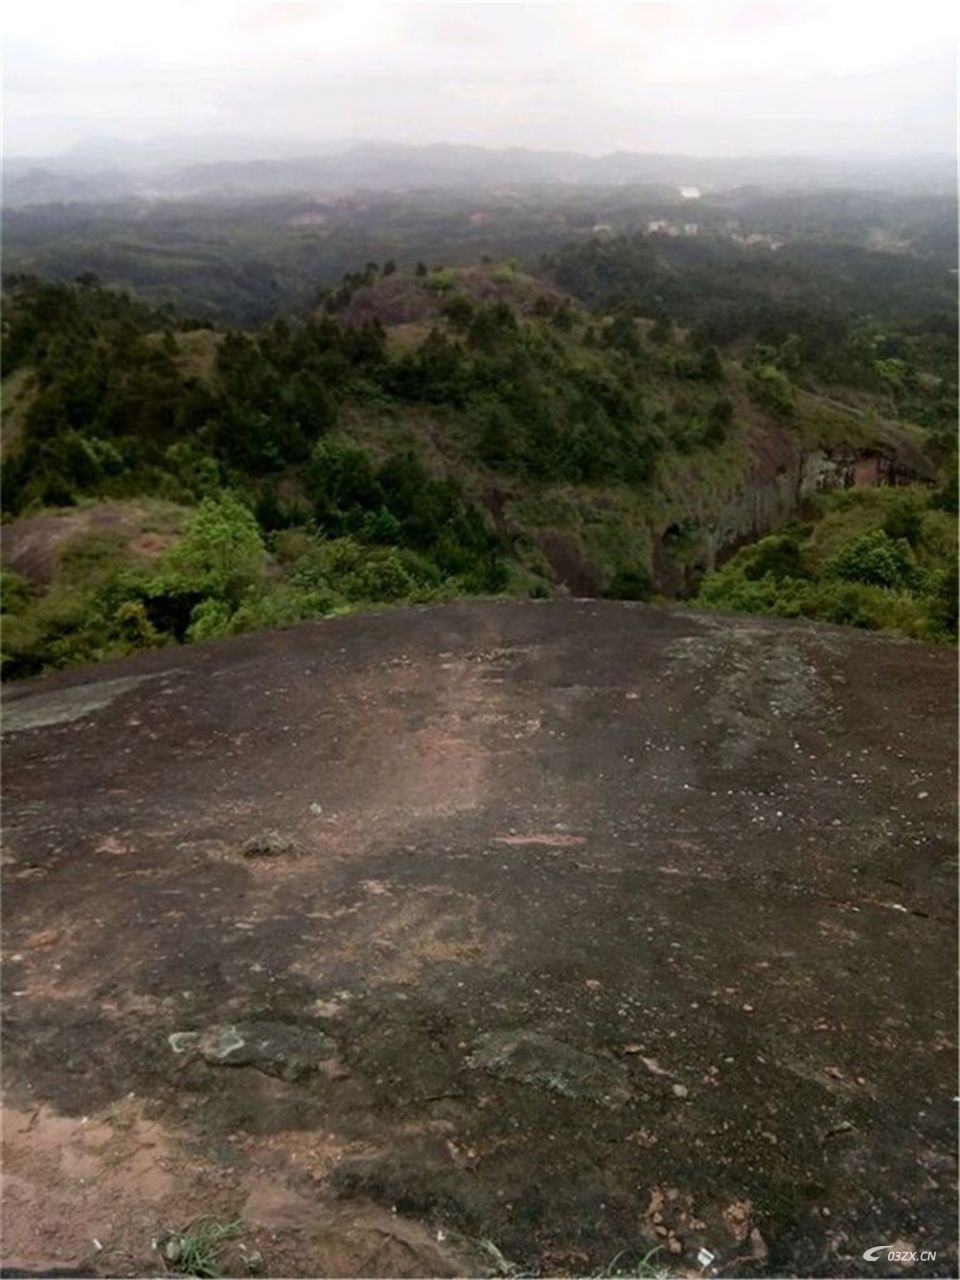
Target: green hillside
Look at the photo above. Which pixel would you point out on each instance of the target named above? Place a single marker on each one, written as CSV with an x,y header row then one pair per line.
x,y
428,434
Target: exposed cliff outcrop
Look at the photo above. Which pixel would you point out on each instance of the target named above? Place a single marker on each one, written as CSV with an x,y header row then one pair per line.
x,y
692,517
782,477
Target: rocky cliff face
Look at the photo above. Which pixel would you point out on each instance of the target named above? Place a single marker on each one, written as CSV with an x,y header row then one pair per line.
x,y
782,477
779,475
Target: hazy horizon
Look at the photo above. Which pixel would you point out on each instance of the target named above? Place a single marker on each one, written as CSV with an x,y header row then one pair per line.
x,y
711,80
305,148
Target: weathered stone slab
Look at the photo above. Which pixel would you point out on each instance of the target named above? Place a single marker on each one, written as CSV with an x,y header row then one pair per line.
x,y
544,1063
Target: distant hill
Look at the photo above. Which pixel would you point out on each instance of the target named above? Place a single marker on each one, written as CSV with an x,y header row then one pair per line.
x,y
176,168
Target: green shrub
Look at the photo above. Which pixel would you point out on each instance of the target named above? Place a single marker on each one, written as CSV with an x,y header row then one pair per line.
x,y
711,366
459,310
197,472
870,607
91,558
771,389
383,576
504,273
349,570
288,545
380,526
221,552
904,519
73,623
944,604
208,620
633,583
15,592
876,559
872,581
83,461
778,555
441,279
131,625
340,477
326,561
282,606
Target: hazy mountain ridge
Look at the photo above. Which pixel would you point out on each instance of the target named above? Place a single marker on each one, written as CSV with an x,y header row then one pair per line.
x,y
106,169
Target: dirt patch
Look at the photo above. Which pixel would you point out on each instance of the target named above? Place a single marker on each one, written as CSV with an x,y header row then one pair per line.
x,y
393,300
96,1195
31,546
197,352
403,299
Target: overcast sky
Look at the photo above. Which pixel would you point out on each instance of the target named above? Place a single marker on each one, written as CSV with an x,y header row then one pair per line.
x,y
705,78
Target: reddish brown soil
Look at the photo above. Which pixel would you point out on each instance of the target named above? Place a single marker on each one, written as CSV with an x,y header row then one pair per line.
x,y
32,545
405,299
615,926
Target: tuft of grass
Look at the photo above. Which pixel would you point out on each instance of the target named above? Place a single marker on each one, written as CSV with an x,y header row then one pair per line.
x,y
644,1269
195,1251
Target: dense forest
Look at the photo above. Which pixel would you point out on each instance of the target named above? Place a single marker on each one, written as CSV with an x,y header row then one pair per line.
x,y
242,261
414,432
